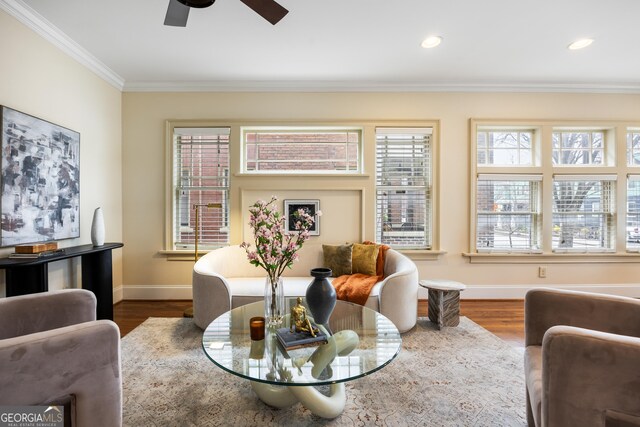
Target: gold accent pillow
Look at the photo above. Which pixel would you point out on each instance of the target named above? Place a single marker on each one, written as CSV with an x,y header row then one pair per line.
x,y
364,258
337,258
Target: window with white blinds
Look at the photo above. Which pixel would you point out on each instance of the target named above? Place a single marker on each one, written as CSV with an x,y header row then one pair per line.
x,y
201,178
583,213
577,196
633,147
578,148
633,213
403,187
301,150
508,213
504,147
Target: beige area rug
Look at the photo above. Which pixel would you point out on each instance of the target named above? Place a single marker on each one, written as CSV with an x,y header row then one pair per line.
x,y
463,376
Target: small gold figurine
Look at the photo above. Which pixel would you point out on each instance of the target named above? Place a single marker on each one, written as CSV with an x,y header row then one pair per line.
x,y
299,320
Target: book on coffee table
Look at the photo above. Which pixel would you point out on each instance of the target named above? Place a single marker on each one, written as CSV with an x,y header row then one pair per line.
x,y
294,340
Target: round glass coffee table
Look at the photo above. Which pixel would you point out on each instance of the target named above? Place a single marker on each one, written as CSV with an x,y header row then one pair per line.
x,y
361,341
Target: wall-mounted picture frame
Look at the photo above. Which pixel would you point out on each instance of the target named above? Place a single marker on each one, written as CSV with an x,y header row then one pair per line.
x,y
40,180
310,206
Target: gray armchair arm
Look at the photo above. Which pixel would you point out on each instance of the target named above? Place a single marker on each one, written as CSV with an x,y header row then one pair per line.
x,y
589,377
81,360
545,308
31,313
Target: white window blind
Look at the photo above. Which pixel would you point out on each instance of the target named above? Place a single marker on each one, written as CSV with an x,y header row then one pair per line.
x,y
403,187
504,147
301,150
584,213
633,147
508,213
580,148
201,177
633,213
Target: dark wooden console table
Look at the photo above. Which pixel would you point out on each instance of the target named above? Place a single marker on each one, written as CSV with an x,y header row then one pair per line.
x,y
28,276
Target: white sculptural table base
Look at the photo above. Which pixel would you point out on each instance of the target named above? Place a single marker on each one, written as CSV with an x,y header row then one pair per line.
x,y
282,397
341,344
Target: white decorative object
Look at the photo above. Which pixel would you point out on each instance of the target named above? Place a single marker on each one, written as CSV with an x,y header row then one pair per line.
x,y
323,405
97,228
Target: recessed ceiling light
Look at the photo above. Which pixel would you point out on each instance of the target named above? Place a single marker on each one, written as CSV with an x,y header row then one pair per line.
x,y
432,41
580,44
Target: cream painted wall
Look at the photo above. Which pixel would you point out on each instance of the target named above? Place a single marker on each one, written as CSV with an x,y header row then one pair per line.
x,y
39,79
341,209
148,274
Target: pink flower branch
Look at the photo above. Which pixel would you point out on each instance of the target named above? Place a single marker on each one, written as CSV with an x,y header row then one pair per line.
x,y
275,250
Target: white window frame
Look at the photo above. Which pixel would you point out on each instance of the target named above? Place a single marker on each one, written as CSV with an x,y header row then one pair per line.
x,y
533,213
607,210
422,184
591,131
615,164
181,189
632,231
363,183
518,149
632,152
245,130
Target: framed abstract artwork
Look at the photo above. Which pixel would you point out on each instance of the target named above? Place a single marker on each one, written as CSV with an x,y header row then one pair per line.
x,y
40,180
310,207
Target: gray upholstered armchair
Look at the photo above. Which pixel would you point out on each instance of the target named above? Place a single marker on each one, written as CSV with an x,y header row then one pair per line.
x,y
582,359
53,351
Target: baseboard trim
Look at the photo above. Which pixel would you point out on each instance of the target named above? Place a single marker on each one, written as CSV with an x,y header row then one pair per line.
x,y
183,292
157,292
519,291
118,294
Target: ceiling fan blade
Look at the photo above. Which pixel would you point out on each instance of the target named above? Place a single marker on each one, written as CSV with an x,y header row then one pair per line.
x,y
268,9
197,3
177,14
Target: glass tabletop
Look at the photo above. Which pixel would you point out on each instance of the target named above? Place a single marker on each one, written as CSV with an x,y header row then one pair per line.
x,y
361,342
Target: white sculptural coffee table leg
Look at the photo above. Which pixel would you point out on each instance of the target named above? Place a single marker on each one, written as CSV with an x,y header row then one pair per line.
x,y
342,343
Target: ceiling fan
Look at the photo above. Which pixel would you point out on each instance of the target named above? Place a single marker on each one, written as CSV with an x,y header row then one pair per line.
x,y
178,10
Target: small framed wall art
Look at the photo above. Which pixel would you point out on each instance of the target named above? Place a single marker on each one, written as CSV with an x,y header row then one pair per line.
x,y
311,207
40,180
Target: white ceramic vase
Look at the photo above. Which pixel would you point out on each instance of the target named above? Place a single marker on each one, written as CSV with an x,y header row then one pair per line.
x,y
97,228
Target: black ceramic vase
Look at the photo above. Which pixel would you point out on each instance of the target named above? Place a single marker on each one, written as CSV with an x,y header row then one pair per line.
x,y
321,296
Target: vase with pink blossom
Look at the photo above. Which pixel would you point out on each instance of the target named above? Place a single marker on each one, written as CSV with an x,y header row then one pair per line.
x,y
275,249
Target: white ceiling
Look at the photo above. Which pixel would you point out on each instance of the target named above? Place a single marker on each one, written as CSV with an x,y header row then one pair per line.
x,y
359,44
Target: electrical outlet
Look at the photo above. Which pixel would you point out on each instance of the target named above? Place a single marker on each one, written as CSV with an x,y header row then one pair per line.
x,y
542,272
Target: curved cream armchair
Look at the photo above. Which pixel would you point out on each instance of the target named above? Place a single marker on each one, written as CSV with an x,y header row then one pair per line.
x,y
223,279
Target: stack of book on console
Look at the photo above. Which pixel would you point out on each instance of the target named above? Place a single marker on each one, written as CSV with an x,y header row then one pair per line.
x,y
293,340
37,250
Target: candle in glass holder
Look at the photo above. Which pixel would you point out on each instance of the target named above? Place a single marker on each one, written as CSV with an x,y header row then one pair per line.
x,y
256,328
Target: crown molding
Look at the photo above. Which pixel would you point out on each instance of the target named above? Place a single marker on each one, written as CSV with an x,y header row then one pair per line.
x,y
33,20
344,86
53,35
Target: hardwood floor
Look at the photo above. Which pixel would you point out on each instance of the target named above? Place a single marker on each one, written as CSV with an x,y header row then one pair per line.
x,y
130,313
504,318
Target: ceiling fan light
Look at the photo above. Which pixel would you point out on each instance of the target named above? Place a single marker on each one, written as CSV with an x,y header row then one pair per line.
x,y
580,44
197,3
431,42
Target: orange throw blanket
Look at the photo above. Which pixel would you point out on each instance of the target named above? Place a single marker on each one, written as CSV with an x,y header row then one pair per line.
x,y
354,287
357,287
